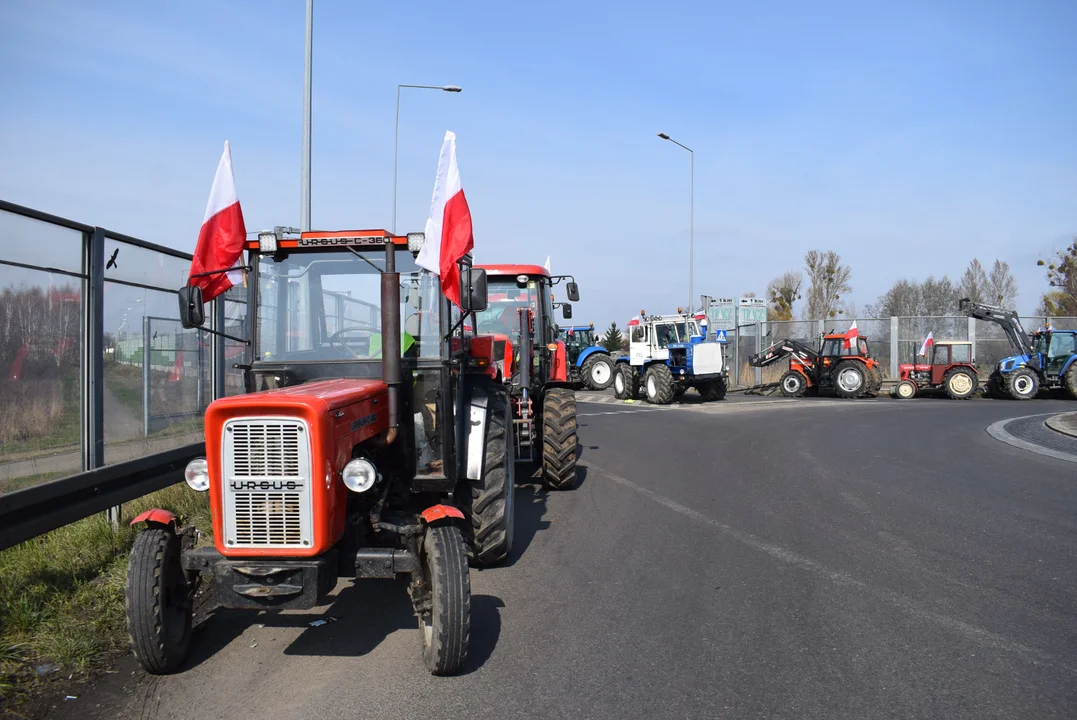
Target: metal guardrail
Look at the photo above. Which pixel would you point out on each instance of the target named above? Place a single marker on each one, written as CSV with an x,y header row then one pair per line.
x,y
33,511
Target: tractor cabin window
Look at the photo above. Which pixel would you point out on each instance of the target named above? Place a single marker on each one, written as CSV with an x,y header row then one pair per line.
x,y
961,354
1062,345
942,355
832,347
639,334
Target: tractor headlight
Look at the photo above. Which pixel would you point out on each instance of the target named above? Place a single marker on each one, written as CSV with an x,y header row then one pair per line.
x,y
359,475
197,474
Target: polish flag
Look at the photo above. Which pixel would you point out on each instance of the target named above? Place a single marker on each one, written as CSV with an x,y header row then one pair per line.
x,y
852,335
547,265
928,342
448,229
220,242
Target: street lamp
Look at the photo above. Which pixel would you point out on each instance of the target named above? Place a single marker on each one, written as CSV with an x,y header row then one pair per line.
x,y
396,132
691,216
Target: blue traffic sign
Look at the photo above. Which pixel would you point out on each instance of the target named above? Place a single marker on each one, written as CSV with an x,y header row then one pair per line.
x,y
721,336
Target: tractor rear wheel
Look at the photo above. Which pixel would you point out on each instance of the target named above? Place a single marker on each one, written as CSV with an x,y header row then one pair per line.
x,y
559,439
1022,384
850,379
658,384
159,607
491,496
960,384
1069,381
905,390
876,381
793,384
445,626
597,371
713,390
626,382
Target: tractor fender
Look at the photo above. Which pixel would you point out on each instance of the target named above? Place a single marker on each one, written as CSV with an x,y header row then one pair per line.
x,y
588,352
476,432
559,363
1069,363
435,513
157,516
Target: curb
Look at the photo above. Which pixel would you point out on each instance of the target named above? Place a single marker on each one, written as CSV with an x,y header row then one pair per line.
x,y
1065,423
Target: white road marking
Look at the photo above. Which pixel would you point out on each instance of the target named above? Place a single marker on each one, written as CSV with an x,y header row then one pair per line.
x,y
918,609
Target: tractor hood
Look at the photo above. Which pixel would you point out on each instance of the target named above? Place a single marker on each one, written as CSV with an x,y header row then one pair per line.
x,y
1015,361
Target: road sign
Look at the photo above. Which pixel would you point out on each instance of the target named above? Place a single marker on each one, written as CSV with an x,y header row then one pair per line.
x,y
722,313
721,336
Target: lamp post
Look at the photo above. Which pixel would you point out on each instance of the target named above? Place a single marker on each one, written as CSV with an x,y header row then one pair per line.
x,y
691,217
396,131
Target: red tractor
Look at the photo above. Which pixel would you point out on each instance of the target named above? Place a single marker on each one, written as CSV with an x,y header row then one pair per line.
x,y
849,372
951,369
535,367
372,443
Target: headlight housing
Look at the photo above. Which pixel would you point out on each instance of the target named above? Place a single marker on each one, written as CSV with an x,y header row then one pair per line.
x,y
197,474
359,475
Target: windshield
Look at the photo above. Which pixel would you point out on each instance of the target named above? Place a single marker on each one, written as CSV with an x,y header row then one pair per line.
x,y
506,297
1040,342
327,306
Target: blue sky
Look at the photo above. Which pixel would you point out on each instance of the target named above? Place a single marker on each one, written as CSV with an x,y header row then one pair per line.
x,y
909,137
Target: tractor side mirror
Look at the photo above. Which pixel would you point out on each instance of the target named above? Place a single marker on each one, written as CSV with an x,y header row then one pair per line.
x,y
573,291
566,311
192,310
473,291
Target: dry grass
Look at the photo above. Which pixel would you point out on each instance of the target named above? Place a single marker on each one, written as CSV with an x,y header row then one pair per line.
x,y
62,594
37,415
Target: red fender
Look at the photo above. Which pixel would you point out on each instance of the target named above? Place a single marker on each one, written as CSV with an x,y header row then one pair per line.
x,y
559,366
440,512
162,517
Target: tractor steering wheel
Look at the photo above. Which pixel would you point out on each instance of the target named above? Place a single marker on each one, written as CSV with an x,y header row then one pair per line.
x,y
336,343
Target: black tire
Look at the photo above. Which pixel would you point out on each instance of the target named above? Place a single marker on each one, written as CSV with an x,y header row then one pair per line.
x,y
658,384
792,384
491,497
626,384
679,391
905,390
960,384
159,607
597,361
994,388
559,439
854,375
1069,381
713,390
445,628
876,378
1021,384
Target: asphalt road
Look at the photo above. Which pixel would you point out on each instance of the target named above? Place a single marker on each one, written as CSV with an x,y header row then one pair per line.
x,y
751,559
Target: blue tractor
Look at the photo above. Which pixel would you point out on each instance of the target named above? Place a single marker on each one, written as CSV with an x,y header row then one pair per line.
x,y
1047,359
589,363
668,354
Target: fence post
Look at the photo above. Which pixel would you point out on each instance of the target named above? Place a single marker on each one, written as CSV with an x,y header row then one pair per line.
x,y
93,357
758,347
894,329
736,355
972,337
147,385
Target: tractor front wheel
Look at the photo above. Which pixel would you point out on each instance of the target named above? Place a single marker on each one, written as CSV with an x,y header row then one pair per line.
x,y
658,384
850,379
1069,381
1022,384
905,390
159,607
597,371
713,390
626,382
793,384
445,621
559,439
960,384
491,496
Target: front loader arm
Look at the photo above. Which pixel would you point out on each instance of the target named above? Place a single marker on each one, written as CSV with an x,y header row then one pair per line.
x,y
780,350
1006,319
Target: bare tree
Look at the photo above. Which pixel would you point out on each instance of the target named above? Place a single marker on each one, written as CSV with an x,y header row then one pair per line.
x,y
782,292
1002,285
938,297
973,283
904,299
828,280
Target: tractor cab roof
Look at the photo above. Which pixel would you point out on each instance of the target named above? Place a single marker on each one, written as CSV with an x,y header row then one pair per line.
x,y
578,328
839,336
514,270
270,241
953,342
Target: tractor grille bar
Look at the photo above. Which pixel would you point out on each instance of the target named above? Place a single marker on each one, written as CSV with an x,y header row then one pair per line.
x,y
267,483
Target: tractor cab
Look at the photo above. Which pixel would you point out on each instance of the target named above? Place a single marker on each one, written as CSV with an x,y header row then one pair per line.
x,y
1057,350
576,338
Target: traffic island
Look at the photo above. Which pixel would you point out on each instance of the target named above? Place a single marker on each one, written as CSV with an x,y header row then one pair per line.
x,y
1065,423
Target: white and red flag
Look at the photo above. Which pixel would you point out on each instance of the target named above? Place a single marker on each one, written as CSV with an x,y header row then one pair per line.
x,y
220,242
928,342
852,336
449,235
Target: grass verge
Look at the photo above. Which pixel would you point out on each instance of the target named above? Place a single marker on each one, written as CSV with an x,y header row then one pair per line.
x,y
62,594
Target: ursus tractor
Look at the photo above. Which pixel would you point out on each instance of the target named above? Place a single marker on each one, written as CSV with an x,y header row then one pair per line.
x,y
951,370
533,364
372,443
841,365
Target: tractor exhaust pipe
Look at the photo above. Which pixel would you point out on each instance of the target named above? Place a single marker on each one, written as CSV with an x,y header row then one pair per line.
x,y
390,338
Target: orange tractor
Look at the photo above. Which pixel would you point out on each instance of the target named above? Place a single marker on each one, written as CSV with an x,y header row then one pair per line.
x,y
372,443
849,372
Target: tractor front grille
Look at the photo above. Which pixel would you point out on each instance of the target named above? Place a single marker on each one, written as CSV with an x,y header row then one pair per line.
x,y
266,467
678,357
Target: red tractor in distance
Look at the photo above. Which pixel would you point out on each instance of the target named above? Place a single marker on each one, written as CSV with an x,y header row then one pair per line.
x,y
371,443
849,372
520,318
951,370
